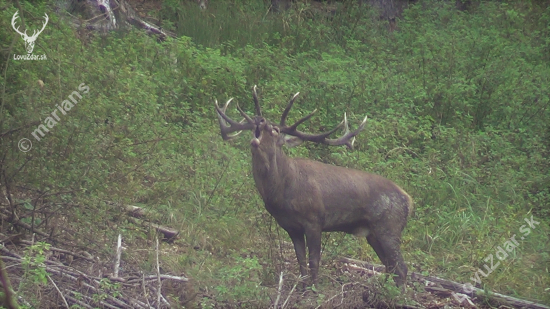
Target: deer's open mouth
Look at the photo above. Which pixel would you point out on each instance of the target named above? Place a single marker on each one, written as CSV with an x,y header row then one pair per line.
x,y
255,142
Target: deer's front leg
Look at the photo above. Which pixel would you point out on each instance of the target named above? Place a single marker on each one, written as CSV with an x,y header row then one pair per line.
x,y
313,237
300,249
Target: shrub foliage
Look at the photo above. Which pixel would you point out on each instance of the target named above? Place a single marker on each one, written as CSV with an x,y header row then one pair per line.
x,y
458,106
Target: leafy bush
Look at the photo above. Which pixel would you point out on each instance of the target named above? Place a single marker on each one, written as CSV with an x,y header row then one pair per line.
x,y
458,116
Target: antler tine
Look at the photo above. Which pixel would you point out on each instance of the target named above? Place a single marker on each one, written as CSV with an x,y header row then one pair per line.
x,y
293,127
221,111
302,120
287,109
348,138
256,103
228,125
244,115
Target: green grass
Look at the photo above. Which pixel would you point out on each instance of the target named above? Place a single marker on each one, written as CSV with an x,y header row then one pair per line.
x,y
458,116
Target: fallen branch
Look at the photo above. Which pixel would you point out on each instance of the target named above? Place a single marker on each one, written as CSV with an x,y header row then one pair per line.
x,y
101,17
369,266
133,18
168,233
80,256
136,212
161,296
291,291
139,213
61,294
87,285
66,269
145,291
80,303
7,216
154,277
103,303
369,272
279,291
455,287
501,299
335,295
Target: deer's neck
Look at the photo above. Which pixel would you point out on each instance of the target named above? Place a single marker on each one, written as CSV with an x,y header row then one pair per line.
x,y
272,172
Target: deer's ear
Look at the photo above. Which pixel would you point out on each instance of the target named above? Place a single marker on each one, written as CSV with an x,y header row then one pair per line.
x,y
292,141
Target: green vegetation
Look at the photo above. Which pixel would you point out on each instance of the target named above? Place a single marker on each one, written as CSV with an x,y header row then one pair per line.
x,y
34,274
458,106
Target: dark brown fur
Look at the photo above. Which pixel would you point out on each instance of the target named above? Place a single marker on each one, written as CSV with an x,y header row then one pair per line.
x,y
308,197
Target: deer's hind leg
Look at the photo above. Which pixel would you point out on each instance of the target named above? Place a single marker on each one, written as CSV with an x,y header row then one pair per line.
x,y
388,249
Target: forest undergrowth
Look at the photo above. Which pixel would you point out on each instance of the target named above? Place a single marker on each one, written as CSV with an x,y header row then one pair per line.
x,y
458,115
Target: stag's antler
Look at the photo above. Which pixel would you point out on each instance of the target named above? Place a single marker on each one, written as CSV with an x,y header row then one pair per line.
x,y
256,103
228,125
347,139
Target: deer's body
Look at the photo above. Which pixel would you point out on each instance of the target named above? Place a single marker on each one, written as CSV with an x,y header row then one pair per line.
x,y
308,197
343,199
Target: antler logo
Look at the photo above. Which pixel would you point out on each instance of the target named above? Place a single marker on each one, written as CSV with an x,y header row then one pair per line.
x,y
29,40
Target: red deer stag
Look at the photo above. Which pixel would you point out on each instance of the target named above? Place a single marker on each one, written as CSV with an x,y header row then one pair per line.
x,y
308,197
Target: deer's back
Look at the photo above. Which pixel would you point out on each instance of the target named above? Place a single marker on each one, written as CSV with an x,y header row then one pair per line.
x,y
342,196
